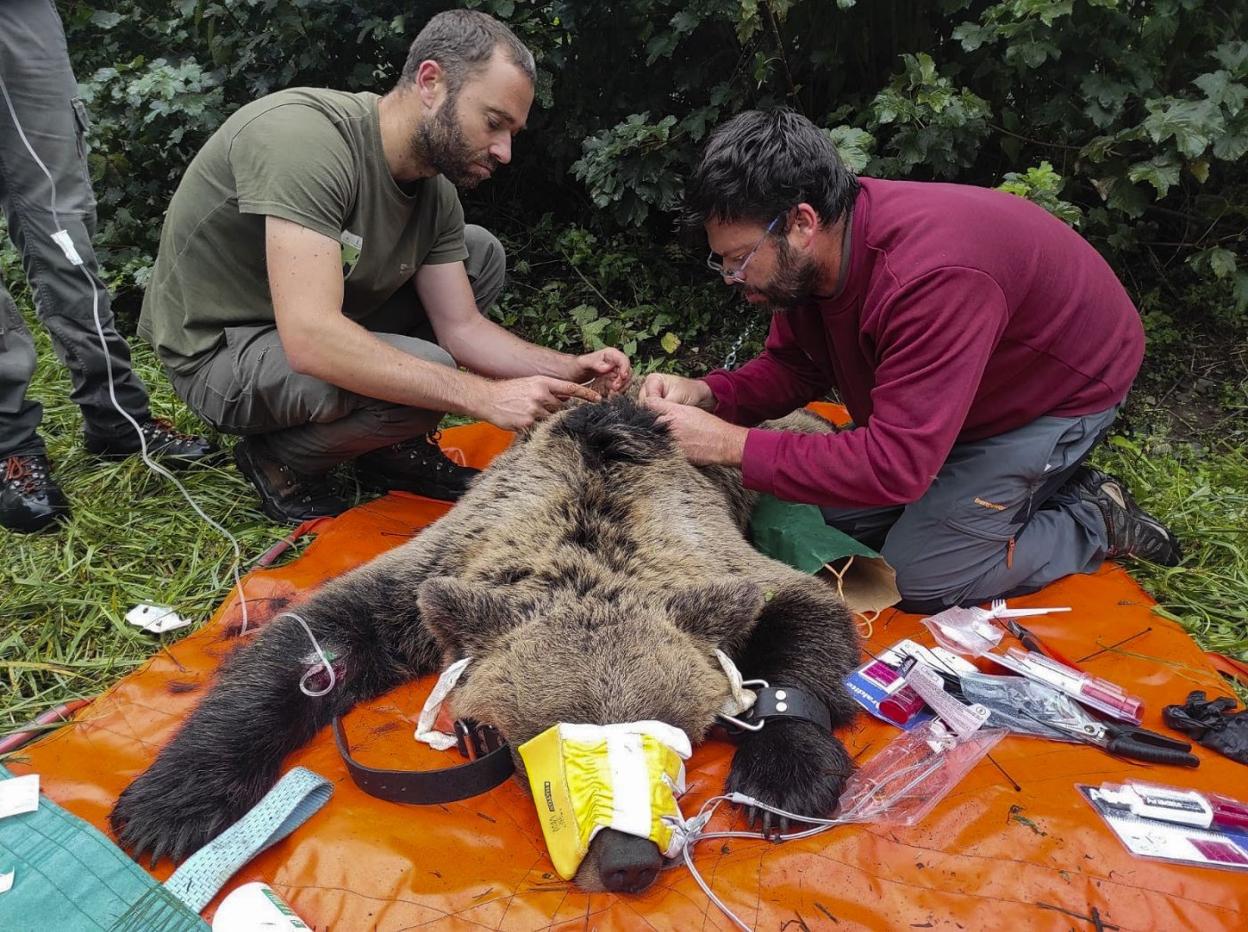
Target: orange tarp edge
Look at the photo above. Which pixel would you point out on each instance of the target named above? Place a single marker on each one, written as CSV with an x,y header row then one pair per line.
x,y
989,856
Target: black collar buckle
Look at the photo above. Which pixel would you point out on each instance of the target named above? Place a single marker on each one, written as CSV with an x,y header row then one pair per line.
x,y
778,702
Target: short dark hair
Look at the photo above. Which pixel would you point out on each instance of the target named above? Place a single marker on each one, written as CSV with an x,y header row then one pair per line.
x,y
762,162
463,42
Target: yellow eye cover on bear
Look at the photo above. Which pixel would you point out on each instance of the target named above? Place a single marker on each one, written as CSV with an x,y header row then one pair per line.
x,y
586,778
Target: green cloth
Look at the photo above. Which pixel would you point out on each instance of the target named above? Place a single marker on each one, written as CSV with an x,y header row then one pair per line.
x,y
69,877
797,535
310,156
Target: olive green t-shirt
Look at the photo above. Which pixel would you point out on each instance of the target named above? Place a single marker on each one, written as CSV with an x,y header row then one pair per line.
x,y
310,156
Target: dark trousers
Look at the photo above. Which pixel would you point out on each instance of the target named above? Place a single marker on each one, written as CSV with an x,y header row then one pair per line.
x,y
998,520
248,387
34,65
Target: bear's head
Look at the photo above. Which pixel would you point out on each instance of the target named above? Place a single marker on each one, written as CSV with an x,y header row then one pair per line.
x,y
591,660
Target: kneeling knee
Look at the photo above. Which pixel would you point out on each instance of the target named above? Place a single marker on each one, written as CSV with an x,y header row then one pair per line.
x,y
924,589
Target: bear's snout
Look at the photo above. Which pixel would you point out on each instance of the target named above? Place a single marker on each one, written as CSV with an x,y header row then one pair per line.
x,y
626,863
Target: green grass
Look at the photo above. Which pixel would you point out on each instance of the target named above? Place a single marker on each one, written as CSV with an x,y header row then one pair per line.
x,y
1202,495
132,539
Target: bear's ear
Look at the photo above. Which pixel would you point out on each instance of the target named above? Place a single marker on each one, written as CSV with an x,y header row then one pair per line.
x,y
463,618
722,613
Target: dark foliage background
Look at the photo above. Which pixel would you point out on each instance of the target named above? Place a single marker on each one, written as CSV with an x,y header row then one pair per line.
x,y
1127,118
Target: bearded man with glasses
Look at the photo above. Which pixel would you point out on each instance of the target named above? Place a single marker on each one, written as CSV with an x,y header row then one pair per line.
x,y
981,346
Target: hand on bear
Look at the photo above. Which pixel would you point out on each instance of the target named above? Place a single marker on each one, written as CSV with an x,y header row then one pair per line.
x,y
792,765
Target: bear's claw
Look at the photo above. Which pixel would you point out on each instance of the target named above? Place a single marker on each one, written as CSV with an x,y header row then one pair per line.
x,y
791,765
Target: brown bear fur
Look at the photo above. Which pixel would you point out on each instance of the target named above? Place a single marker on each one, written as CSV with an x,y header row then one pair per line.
x,y
590,572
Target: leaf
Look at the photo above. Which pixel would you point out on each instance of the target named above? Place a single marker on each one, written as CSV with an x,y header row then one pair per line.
x,y
1232,55
1161,171
1126,197
1221,90
670,343
854,146
1234,144
685,21
1241,291
1192,123
973,35
584,314
1222,262
106,19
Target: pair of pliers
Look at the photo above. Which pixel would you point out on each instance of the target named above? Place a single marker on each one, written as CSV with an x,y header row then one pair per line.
x,y
1130,741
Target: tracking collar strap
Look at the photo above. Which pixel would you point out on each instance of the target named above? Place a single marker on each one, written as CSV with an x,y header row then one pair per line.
x,y
490,764
776,702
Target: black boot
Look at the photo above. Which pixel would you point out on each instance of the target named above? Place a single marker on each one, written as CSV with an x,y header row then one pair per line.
x,y
30,499
286,496
418,466
1133,532
163,443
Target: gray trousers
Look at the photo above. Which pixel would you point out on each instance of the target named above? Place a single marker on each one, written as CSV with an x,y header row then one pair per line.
x,y
34,65
996,522
248,387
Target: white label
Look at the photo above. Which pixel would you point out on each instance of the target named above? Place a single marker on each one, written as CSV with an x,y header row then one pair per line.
x,y
156,619
6,882
19,794
61,238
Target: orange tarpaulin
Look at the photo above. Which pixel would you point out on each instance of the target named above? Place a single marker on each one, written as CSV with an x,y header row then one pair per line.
x,y
989,856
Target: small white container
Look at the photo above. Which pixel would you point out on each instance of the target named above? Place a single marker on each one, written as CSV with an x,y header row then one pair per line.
x,y
254,907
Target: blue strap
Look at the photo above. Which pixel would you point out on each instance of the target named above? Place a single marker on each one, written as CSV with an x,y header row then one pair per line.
x,y
282,810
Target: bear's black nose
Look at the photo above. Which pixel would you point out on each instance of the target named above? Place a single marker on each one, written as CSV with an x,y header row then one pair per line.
x,y
628,864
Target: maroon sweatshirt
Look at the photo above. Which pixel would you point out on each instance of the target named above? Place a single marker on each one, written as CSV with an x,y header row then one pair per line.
x,y
966,313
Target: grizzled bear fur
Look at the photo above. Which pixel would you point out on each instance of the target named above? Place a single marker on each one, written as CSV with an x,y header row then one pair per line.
x,y
591,572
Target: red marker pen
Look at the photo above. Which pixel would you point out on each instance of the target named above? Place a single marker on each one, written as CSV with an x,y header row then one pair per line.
x,y
1092,691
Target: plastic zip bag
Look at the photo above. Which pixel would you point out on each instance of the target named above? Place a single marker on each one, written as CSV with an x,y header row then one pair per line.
x,y
914,772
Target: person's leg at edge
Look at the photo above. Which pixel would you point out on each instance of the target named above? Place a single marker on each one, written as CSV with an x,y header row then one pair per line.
x,y
34,63
30,499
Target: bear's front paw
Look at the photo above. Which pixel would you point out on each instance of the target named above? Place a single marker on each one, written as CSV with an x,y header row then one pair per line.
x,y
167,812
791,765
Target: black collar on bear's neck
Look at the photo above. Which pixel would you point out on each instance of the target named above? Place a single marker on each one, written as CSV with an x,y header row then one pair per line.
x,y
489,764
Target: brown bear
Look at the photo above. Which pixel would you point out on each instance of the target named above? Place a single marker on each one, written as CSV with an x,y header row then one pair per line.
x,y
591,573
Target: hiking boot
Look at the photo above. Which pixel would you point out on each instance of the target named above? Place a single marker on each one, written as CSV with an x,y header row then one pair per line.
x,y
418,466
286,495
1133,532
163,443
30,499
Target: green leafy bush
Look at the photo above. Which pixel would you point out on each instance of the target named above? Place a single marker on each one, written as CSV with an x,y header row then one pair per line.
x,y
1138,107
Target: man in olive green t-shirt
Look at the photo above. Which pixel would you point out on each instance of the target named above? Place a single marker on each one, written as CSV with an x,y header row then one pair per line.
x,y
316,288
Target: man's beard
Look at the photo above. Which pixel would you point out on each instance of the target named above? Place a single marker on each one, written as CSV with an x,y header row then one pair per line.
x,y
440,141
794,281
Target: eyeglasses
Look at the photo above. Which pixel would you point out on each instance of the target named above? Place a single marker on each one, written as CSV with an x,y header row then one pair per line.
x,y
735,275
